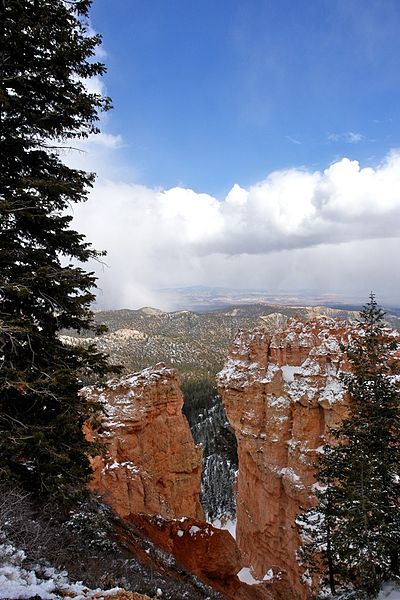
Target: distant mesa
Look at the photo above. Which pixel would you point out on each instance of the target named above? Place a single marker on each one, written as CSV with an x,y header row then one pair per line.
x,y
150,311
274,322
195,343
126,334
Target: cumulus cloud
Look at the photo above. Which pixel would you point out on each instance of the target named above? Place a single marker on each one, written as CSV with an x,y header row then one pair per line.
x,y
296,228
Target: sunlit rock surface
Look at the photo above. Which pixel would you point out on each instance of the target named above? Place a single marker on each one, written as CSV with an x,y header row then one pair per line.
x,y
151,477
152,464
281,393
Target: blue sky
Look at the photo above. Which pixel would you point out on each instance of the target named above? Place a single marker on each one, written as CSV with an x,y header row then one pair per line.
x,y
208,93
253,144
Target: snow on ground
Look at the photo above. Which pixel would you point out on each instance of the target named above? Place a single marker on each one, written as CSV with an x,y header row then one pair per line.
x,y
389,592
229,525
18,583
246,576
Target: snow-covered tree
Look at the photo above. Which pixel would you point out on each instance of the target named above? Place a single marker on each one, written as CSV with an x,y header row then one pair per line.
x,y
354,531
46,54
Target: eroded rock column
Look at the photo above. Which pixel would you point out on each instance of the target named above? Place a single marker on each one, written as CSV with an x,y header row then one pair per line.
x,y
281,393
152,464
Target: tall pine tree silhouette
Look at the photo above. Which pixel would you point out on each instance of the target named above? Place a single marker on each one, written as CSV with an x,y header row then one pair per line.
x,y
46,54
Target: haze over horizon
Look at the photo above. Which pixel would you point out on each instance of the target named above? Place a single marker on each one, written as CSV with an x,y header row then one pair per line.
x,y
252,145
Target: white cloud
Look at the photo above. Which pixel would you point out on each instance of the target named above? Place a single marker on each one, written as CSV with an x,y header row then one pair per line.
x,y
294,229
101,52
293,140
95,85
108,140
349,137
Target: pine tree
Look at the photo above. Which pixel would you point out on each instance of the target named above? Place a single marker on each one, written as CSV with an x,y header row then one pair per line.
x,y
46,54
357,520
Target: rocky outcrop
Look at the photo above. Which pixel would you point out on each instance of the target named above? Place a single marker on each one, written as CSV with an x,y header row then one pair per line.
x,y
152,464
204,550
208,552
151,477
281,393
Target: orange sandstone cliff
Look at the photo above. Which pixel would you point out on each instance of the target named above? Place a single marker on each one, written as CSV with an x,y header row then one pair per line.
x,y
151,477
152,465
281,393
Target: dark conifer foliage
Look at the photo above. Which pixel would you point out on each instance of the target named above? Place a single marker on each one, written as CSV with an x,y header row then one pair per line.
x,y
355,529
46,53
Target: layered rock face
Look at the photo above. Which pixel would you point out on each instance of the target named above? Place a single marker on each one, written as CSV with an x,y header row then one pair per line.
x,y
281,393
151,477
152,464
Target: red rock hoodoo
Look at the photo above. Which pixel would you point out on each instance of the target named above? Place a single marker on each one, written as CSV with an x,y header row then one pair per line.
x,y
151,477
281,393
152,465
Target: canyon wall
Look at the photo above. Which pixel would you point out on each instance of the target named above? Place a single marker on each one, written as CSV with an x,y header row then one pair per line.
x,y
152,464
150,475
281,393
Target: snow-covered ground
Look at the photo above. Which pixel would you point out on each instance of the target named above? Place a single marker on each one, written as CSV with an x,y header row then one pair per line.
x,y
229,525
17,583
389,592
47,583
246,575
